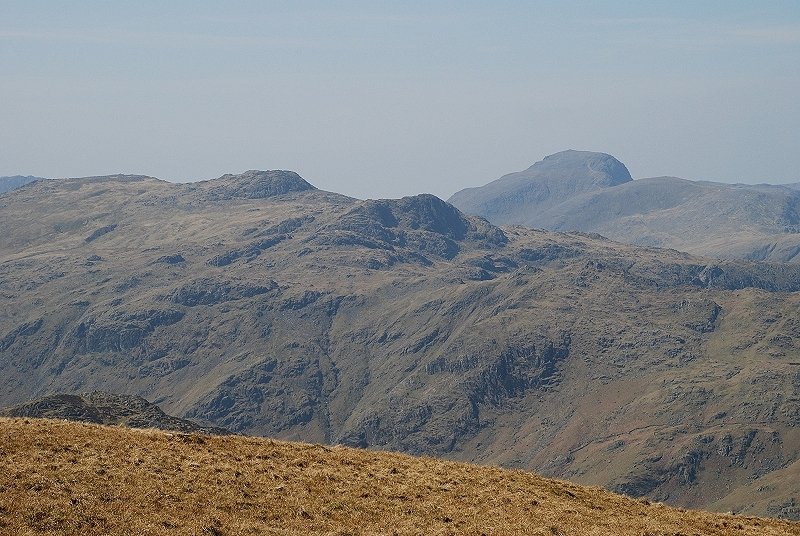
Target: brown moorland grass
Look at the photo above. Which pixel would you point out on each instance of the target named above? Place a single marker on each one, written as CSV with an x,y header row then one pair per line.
x,y
59,477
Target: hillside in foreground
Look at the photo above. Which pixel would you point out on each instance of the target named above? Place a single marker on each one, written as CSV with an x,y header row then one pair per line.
x,y
60,477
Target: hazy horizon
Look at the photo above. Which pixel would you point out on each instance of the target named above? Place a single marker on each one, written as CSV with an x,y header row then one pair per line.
x,y
386,101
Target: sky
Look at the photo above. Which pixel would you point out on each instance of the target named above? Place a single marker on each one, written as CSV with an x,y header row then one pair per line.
x,y
385,99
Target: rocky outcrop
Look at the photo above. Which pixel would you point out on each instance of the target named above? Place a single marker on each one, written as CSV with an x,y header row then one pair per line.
x,y
106,408
421,225
175,258
285,227
118,330
212,292
695,460
256,185
248,252
26,329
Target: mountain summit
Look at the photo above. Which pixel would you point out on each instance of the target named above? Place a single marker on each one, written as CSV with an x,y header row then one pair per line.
x,y
255,184
553,180
579,166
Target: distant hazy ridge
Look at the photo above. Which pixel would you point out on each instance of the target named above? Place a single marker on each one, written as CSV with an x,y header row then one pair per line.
x,y
593,192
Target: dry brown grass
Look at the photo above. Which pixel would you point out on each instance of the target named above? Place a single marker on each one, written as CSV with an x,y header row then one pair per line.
x,y
58,477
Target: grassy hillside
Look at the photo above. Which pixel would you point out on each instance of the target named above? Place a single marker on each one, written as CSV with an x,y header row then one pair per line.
x,y
68,478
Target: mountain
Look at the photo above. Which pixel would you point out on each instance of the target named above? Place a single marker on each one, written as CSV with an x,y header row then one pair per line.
x,y
107,408
592,192
525,196
263,305
9,183
78,479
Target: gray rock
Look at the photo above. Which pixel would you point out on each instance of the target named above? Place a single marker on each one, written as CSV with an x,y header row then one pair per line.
x,y
257,185
106,408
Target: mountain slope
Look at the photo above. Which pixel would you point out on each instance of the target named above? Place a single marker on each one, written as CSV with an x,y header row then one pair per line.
x,y
757,222
67,478
266,306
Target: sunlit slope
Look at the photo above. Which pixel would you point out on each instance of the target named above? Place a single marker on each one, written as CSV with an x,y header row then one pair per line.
x,y
67,478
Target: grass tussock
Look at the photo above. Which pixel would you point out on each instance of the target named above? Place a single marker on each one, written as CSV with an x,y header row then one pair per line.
x,y
65,478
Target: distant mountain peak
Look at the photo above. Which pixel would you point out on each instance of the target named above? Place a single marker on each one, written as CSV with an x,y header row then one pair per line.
x,y
11,183
553,180
594,193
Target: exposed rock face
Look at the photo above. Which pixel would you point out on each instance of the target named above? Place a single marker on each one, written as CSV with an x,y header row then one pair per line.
x,y
422,225
248,252
210,292
120,330
26,329
408,325
106,408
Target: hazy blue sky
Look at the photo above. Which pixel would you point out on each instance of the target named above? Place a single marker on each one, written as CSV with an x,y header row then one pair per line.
x,y
375,99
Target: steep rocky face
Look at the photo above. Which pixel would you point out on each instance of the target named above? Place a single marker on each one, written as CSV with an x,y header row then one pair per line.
x,y
407,325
